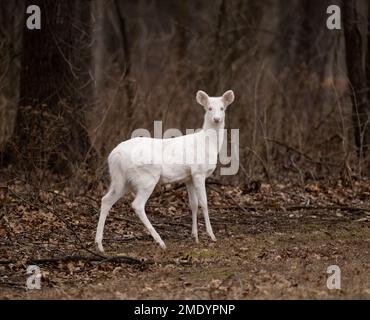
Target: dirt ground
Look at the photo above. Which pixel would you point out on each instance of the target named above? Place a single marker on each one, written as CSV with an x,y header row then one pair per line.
x,y
275,241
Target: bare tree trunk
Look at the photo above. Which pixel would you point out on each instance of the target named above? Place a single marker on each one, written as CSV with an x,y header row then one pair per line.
x,y
11,22
181,39
130,94
215,67
305,40
355,49
98,46
55,81
235,37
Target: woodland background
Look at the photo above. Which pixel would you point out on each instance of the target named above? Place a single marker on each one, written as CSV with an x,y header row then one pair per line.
x,y
99,69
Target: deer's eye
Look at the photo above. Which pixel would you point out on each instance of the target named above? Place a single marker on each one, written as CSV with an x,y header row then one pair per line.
x,y
222,109
210,108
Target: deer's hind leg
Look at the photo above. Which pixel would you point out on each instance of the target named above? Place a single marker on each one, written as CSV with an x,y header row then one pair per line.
x,y
144,189
112,196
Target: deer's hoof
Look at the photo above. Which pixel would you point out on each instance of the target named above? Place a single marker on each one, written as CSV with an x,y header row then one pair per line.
x,y
100,247
195,236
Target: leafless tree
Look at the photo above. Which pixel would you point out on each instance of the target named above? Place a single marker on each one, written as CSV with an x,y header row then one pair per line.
x,y
357,75
54,87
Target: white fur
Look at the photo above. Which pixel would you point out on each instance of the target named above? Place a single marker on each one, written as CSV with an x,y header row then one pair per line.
x,y
138,164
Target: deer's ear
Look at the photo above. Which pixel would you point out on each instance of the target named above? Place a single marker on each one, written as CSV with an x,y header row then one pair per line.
x,y
228,97
202,98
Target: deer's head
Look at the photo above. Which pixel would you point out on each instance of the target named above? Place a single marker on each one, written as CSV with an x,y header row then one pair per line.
x,y
215,107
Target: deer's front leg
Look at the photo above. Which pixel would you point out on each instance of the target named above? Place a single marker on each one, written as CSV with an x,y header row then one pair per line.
x,y
200,188
193,202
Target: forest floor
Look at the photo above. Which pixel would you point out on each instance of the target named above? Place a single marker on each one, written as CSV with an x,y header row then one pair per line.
x,y
275,240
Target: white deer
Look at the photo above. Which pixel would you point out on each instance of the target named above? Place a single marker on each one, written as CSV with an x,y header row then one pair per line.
x,y
140,163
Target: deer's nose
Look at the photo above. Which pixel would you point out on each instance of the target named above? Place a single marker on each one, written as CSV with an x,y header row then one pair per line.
x,y
216,119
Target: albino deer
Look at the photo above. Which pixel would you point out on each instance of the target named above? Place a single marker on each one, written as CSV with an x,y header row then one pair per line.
x,y
138,164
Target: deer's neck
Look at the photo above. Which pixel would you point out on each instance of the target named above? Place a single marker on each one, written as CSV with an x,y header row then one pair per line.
x,y
216,131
